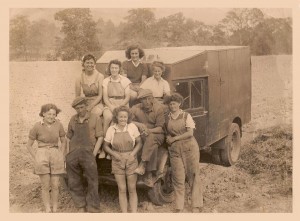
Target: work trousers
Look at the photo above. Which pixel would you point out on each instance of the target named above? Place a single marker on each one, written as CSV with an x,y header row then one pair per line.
x,y
81,167
184,158
150,150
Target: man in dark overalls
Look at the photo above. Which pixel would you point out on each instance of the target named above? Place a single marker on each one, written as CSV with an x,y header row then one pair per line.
x,y
85,136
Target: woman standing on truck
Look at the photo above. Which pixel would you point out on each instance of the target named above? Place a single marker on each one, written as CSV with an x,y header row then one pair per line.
x,y
90,82
134,69
184,154
48,158
125,141
159,86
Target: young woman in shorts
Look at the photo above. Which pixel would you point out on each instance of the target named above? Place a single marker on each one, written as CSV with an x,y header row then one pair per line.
x,y
48,156
122,142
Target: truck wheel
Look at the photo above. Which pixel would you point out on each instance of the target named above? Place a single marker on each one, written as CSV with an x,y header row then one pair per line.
x,y
162,191
231,153
216,156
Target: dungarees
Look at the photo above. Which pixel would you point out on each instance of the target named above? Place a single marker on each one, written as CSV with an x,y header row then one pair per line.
x,y
81,164
91,93
123,144
115,92
184,158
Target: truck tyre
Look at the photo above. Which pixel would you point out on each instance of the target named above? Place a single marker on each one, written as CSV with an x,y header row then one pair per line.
x,y
231,152
216,156
162,191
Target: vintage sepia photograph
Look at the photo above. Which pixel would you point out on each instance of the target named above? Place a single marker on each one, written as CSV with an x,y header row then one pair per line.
x,y
150,110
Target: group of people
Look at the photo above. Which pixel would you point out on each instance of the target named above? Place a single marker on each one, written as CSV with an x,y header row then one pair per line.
x,y
105,126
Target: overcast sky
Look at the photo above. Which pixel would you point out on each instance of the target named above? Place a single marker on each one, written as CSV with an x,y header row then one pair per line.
x,y
206,15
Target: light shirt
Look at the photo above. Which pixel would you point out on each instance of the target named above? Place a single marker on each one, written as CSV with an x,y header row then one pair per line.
x,y
189,120
158,88
131,128
123,80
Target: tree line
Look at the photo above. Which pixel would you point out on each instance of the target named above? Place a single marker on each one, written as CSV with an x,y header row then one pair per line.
x,y
79,33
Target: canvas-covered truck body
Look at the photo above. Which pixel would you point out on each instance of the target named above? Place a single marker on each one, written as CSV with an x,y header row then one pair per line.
x,y
215,82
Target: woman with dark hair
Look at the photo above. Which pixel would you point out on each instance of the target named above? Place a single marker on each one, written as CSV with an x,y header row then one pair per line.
x,y
90,83
184,154
159,86
116,91
134,69
48,158
125,141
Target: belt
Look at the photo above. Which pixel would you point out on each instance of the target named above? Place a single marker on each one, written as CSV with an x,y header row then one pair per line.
x,y
48,147
122,151
117,97
91,96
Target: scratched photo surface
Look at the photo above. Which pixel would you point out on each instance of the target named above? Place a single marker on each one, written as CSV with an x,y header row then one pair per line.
x,y
224,62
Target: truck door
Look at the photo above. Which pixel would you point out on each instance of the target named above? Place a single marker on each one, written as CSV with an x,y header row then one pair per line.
x,y
194,92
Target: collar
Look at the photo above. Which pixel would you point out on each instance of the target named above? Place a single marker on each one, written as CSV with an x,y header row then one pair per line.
x,y
87,116
174,117
118,80
42,122
135,65
115,126
154,79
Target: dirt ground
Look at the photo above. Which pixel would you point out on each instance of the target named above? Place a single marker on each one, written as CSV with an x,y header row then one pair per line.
x,y
260,182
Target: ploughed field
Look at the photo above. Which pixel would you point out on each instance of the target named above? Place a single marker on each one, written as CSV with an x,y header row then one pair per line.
x,y
260,182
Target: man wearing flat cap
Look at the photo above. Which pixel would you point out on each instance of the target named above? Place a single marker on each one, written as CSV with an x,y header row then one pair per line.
x,y
148,116
85,134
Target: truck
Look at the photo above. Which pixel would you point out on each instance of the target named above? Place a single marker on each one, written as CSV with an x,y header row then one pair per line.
x,y
215,82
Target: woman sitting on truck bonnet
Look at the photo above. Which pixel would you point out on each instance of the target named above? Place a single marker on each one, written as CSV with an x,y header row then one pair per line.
x,y
116,91
184,153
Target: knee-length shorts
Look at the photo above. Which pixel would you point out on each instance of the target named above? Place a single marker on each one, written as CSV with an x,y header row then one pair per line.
x,y
123,167
49,160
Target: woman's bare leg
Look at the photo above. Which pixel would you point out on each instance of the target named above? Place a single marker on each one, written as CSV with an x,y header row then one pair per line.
x,y
45,181
133,200
107,117
54,191
133,95
121,181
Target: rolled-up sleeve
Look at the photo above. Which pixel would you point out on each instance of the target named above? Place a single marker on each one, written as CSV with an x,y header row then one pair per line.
x,y
190,122
109,134
70,131
33,133
62,132
134,131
